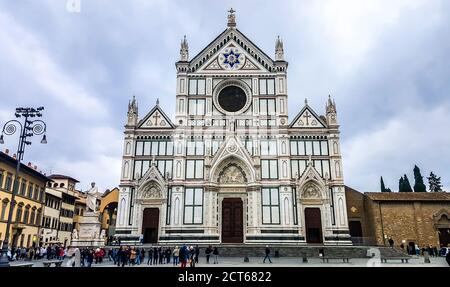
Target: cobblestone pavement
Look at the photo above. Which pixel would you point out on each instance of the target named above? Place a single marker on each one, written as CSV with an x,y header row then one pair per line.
x,y
281,262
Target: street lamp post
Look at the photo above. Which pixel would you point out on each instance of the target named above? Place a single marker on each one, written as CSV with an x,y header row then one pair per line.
x,y
27,129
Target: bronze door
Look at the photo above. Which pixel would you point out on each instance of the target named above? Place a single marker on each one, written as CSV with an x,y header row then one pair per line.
x,y
313,225
150,225
232,220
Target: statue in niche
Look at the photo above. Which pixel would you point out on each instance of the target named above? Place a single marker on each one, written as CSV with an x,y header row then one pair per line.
x,y
311,191
232,174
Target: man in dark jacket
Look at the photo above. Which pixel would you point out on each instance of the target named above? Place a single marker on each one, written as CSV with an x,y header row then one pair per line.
x,y
150,256
447,257
197,253
208,253
267,254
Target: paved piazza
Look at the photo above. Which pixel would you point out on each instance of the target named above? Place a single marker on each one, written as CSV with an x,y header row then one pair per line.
x,y
284,262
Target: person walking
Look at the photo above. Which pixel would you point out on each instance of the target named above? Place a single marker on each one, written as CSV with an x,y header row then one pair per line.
x,y
142,259
150,256
161,255
168,254
208,251
267,251
216,255
391,242
176,254
191,256
133,256
197,253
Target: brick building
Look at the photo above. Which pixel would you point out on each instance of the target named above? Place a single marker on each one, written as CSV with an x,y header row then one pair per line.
x,y
409,218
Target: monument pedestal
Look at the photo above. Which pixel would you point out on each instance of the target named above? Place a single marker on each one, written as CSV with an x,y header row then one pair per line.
x,y
90,232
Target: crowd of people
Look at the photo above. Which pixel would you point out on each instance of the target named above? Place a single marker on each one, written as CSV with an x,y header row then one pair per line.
x,y
182,256
52,251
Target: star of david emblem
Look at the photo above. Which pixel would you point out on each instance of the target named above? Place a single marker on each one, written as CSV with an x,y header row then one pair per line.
x,y
231,58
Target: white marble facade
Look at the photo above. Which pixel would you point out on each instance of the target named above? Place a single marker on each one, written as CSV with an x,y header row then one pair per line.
x,y
231,167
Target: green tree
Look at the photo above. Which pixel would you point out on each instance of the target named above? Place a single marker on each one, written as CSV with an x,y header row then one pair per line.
x,y
434,183
401,185
407,185
419,186
383,188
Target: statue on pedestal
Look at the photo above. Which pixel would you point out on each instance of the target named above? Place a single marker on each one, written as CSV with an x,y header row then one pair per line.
x,y
92,197
75,234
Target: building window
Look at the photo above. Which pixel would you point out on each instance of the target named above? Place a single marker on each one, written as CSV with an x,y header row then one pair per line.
x,y
215,145
267,86
160,147
33,216
301,147
269,169
298,166
194,169
270,205
197,86
26,215
36,192
19,213
196,107
169,205
268,147
294,200
1,178
195,148
41,194
130,214
248,143
23,187
142,166
193,206
30,190
38,216
4,206
8,182
333,218
267,107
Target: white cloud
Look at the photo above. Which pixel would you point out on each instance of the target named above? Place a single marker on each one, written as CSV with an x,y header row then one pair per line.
x,y
416,136
27,53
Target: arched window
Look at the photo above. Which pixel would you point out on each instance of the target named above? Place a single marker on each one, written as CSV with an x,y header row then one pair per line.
x,y
33,215
38,216
4,206
19,212
26,214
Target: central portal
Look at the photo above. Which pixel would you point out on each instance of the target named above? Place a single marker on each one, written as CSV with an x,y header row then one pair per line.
x,y
232,220
150,225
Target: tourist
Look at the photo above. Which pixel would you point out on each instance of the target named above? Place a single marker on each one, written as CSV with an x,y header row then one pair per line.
x,y
391,242
142,255
208,253
216,255
267,254
155,256
168,253
197,253
176,254
160,255
90,258
183,256
150,256
138,257
133,256
447,257
191,256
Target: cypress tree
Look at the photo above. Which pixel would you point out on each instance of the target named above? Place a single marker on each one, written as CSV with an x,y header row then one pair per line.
x,y
383,188
419,186
407,185
401,185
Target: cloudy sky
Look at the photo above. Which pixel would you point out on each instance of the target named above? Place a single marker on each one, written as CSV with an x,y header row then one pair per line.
x,y
386,63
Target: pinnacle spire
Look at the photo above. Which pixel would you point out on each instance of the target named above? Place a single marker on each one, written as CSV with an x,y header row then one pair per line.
x,y
184,50
279,51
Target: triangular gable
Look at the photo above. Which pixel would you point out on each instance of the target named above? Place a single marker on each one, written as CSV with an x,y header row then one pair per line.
x,y
156,118
307,118
213,57
233,147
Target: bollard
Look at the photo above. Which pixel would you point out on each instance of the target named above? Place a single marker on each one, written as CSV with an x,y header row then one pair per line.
x,y
426,257
277,253
246,259
305,259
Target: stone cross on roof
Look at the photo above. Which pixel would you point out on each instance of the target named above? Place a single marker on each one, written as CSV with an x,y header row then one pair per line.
x,y
231,18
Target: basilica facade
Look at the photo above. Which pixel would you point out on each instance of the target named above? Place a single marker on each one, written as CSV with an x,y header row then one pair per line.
x,y
231,167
